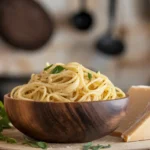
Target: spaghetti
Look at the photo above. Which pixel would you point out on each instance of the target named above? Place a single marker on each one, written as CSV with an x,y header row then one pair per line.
x,y
67,83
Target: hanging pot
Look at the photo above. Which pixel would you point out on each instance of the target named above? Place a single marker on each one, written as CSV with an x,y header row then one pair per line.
x,y
25,24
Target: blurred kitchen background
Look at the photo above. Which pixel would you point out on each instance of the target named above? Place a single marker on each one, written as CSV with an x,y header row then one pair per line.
x,y
35,32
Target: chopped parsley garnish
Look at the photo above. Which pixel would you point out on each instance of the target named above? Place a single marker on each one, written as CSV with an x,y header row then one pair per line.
x,y
46,68
89,146
4,121
57,69
4,124
35,144
7,139
89,76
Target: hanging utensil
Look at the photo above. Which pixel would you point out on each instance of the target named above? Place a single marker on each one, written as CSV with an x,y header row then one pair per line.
x,y
108,44
82,20
24,24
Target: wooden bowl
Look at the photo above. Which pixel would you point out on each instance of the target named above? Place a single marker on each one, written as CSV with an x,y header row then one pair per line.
x,y
65,122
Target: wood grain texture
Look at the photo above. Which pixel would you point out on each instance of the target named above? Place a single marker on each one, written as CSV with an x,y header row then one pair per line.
x,y
65,122
115,142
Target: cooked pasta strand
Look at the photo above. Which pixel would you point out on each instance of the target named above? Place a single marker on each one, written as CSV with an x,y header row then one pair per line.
x,y
71,84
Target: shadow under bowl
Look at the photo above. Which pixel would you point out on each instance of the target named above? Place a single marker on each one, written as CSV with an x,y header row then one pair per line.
x,y
66,122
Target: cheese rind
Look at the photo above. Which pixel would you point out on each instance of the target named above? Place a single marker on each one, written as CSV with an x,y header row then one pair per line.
x,y
140,130
136,124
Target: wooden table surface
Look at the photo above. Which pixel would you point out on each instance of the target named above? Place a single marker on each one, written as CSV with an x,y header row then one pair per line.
x,y
116,143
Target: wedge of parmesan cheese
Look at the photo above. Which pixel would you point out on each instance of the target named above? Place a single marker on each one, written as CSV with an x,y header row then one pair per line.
x,y
136,124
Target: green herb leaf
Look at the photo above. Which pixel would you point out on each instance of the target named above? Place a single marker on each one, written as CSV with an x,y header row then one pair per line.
x,y
57,69
107,146
11,140
89,146
46,68
7,139
42,145
2,110
33,145
4,121
89,76
1,104
36,144
2,138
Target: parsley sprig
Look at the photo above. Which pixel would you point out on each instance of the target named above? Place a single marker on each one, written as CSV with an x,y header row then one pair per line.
x,y
90,146
7,139
57,69
5,124
34,143
46,68
4,121
89,76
